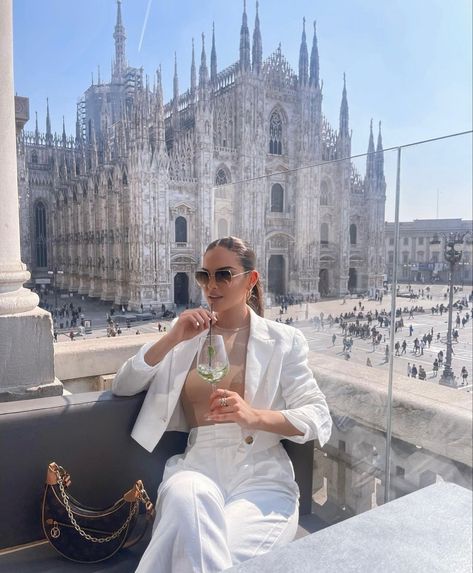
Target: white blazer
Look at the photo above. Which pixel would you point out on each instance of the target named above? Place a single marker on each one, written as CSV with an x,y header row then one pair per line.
x,y
277,377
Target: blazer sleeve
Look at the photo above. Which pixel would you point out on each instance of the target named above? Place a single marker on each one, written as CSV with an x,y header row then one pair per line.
x,y
306,407
136,375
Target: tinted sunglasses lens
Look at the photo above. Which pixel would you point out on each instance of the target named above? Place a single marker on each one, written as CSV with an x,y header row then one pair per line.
x,y
224,276
202,278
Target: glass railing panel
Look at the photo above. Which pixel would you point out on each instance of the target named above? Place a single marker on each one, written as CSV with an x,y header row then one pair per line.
x,y
434,293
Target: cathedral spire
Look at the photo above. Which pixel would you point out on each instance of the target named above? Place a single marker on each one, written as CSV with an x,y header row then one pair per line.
x,y
314,61
245,64
64,136
119,37
193,72
379,157
370,159
203,70
213,58
78,133
303,58
49,135
36,130
175,80
343,128
159,110
159,87
257,45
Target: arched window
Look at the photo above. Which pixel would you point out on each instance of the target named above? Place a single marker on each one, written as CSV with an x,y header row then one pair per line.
x,y
277,198
222,228
275,133
34,157
181,230
352,234
125,179
40,235
324,193
324,234
221,177
109,184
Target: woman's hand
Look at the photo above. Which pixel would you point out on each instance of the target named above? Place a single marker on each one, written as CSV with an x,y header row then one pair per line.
x,y
236,410
192,322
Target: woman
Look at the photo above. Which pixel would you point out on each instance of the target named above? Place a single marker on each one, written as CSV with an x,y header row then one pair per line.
x,y
231,495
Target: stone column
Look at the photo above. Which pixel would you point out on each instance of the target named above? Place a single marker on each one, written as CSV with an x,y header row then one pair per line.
x,y
26,347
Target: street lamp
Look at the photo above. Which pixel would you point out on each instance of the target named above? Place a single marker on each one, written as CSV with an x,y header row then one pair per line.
x,y
55,272
453,257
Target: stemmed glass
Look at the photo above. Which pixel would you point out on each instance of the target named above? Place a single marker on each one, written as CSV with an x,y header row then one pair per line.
x,y
212,360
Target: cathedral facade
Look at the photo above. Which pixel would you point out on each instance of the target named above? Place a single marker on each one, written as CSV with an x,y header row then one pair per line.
x,y
124,210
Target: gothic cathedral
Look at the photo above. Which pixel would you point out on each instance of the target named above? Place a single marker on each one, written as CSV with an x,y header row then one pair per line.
x,y
127,207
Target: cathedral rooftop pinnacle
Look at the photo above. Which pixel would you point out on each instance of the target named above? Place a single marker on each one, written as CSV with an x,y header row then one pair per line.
x,y
257,45
370,159
193,72
119,37
314,61
176,80
203,70
245,64
303,58
49,135
213,58
343,127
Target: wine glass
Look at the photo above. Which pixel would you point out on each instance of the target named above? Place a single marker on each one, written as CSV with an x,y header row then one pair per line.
x,y
212,360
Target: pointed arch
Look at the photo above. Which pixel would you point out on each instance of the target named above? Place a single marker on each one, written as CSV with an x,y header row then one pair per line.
x,y
324,234
353,234
180,227
325,193
277,198
277,130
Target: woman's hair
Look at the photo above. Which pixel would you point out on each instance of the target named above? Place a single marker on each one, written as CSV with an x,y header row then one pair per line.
x,y
247,259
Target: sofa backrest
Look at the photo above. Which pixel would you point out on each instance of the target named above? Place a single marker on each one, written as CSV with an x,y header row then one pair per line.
x,y
89,435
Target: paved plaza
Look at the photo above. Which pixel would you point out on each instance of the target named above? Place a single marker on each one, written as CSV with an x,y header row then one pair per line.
x,y
321,339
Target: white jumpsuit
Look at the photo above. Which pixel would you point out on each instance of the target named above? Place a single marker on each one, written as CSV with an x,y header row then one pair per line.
x,y
221,503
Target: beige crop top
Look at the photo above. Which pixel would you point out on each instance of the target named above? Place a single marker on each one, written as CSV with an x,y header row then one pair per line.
x,y
196,392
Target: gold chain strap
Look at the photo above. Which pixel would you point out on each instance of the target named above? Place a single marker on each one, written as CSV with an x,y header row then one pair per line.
x,y
77,527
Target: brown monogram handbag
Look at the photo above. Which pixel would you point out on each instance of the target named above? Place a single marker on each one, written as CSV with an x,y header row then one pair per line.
x,y
88,535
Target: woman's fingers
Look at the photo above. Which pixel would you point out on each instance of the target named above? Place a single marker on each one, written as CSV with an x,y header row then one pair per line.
x,y
202,318
221,399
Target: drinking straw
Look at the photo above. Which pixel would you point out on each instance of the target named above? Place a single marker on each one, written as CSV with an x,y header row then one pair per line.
x,y
210,336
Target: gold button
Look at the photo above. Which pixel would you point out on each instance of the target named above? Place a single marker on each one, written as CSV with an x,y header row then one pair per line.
x,y
249,440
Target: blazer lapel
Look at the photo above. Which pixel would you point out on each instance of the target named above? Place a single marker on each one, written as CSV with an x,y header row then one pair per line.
x,y
259,353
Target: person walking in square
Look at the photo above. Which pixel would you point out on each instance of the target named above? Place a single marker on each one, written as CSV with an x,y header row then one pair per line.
x,y
464,375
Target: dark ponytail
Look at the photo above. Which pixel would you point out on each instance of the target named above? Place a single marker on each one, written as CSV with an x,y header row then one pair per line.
x,y
248,261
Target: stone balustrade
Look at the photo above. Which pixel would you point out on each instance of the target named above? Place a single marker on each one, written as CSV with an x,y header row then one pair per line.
x,y
431,425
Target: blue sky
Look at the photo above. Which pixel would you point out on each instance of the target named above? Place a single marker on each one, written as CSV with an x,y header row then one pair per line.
x,y
408,63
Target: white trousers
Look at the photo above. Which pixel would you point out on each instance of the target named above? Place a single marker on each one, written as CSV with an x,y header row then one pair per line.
x,y
221,503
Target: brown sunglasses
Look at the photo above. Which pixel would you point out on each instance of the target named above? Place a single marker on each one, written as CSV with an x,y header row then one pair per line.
x,y
222,277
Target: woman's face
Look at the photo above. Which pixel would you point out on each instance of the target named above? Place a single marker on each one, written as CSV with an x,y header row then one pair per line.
x,y
222,296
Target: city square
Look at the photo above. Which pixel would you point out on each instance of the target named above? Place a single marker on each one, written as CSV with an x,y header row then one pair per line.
x,y
306,316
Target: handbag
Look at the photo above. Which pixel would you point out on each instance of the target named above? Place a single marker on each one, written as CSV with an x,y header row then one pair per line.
x,y
84,534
